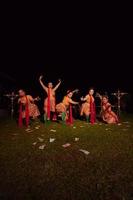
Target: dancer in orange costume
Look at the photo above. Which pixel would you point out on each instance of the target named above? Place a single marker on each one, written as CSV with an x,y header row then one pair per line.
x,y
50,101
107,114
65,107
27,107
88,108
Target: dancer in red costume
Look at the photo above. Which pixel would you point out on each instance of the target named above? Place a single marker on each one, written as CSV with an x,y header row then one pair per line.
x,y
107,114
65,107
88,108
50,101
27,108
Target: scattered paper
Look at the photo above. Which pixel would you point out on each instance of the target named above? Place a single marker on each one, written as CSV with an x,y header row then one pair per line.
x,y
34,143
81,126
51,139
126,122
119,124
74,127
53,130
42,146
66,145
84,151
37,127
29,131
76,139
40,139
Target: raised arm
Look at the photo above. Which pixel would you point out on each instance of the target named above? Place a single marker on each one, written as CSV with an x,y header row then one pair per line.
x,y
84,98
75,91
43,86
73,102
99,95
19,100
56,87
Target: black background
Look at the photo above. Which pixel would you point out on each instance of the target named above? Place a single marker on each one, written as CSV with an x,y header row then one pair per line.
x,y
82,48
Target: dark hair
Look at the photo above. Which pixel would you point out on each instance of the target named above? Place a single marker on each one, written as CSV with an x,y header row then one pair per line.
x,y
68,91
91,88
22,90
105,96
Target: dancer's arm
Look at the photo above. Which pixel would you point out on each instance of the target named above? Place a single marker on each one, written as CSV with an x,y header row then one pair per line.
x,y
75,91
73,102
19,100
43,86
99,95
84,98
56,87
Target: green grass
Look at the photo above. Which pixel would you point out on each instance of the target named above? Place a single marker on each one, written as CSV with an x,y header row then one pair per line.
x,y
58,173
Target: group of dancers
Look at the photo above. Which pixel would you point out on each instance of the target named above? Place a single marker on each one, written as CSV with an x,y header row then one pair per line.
x,y
28,108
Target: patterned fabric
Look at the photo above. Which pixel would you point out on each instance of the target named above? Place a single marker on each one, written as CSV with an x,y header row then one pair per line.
x,y
65,107
27,109
108,115
88,108
92,110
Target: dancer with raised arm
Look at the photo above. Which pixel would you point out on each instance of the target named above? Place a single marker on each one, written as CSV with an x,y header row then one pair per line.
x,y
65,107
107,114
27,109
88,108
50,101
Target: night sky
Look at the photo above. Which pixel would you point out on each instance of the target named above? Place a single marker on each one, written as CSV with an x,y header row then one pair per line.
x,y
83,53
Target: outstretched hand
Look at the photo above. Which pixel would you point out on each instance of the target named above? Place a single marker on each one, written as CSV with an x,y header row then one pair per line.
x,y
59,80
82,99
40,78
37,99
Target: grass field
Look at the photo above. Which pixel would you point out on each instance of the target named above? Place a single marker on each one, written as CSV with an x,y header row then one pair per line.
x,y
105,172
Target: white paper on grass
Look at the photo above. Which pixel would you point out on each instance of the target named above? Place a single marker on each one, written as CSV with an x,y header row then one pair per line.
x,y
42,146
53,130
81,126
108,129
34,143
76,139
66,145
119,124
84,151
37,127
29,131
74,127
51,139
40,139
